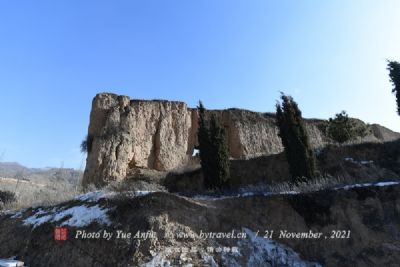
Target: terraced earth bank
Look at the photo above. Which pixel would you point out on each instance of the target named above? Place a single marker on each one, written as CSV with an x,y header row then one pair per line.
x,y
353,226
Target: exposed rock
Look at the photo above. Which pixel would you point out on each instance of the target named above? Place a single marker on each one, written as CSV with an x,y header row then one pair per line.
x,y
367,219
136,134
125,134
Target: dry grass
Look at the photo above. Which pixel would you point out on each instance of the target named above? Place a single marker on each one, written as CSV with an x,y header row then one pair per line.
x,y
31,195
130,185
321,183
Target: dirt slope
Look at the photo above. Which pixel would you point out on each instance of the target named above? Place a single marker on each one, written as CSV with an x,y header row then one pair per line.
x,y
370,213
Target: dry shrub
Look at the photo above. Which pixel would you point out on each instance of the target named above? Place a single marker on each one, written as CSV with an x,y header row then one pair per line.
x,y
30,195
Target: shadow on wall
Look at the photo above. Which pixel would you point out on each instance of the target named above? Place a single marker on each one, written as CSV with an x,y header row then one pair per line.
x,y
269,169
361,161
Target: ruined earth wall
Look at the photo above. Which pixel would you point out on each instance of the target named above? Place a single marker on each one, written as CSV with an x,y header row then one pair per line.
x,y
161,135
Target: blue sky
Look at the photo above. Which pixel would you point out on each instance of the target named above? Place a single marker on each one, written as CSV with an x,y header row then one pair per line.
x,y
56,55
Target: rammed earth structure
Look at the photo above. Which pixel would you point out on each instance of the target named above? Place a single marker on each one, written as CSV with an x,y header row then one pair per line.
x,y
126,134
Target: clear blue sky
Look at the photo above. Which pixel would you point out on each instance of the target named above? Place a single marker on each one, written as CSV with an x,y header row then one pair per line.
x,y
56,55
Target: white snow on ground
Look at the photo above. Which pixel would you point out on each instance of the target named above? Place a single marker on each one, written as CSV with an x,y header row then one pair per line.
x,y
210,197
10,263
97,195
209,260
160,260
157,261
91,196
380,184
252,251
7,212
362,162
77,216
18,214
365,162
265,192
139,193
259,251
82,216
243,194
386,183
36,221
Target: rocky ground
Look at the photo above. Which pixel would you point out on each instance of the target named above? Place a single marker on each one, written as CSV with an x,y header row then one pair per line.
x,y
359,226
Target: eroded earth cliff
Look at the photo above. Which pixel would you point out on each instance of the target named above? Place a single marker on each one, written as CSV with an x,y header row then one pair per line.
x,y
161,135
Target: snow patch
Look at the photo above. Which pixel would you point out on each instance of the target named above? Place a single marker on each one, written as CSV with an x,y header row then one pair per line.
x,y
209,260
157,261
82,216
243,194
386,183
160,260
17,214
366,162
10,263
380,184
91,196
7,212
36,221
139,193
250,191
259,251
78,216
97,195
210,197
361,162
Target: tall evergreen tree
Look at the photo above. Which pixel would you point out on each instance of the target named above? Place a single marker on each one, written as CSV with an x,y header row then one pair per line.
x,y
220,154
214,153
295,140
203,136
394,74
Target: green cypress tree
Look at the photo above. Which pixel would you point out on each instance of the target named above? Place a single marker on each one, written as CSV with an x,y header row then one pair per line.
x,y
214,153
220,154
203,136
394,74
295,140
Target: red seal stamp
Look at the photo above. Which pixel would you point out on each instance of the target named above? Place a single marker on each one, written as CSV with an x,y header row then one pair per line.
x,y
60,233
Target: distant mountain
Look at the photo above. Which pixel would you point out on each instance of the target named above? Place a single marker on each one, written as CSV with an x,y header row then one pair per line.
x,y
10,169
39,175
